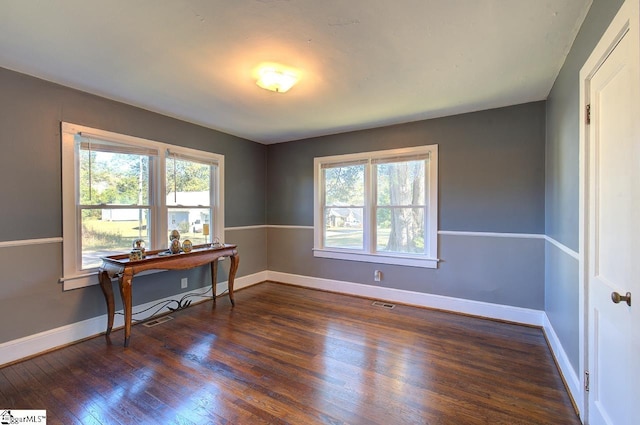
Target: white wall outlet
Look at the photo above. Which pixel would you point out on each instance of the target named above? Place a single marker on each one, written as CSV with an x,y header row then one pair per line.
x,y
184,282
377,275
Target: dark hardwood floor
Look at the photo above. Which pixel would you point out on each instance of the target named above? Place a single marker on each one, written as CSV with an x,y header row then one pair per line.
x,y
288,355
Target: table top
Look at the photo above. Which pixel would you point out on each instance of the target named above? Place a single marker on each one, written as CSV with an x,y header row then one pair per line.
x,y
163,255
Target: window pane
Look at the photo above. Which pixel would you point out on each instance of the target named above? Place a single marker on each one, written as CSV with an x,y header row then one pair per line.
x,y
188,182
343,228
400,230
344,185
401,183
113,178
192,223
109,231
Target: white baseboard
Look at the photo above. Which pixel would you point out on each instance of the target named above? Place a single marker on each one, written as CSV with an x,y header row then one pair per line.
x,y
475,308
33,344
572,380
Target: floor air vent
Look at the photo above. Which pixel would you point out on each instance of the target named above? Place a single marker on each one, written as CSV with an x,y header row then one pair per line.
x,y
158,321
383,305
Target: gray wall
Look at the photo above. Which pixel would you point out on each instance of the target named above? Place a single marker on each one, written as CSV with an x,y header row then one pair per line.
x,y
491,168
491,179
562,180
563,110
30,168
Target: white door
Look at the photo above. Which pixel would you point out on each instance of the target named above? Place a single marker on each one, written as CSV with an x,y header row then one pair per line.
x,y
613,234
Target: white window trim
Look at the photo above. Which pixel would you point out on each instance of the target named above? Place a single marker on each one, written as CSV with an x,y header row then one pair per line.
x,y
429,260
72,275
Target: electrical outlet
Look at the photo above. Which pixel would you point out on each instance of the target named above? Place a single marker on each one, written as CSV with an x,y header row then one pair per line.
x,y
377,275
184,282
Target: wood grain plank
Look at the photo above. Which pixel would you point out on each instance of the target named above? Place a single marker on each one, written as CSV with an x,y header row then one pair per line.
x,y
289,355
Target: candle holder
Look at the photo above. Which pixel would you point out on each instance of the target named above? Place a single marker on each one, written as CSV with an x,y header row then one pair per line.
x,y
205,232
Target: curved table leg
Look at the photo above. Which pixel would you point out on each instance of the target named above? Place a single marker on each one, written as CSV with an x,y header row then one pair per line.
x,y
107,290
235,260
214,278
125,291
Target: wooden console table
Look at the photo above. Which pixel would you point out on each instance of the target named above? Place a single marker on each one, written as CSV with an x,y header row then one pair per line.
x,y
125,269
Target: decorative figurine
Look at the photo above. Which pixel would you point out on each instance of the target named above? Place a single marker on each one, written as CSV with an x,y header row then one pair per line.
x,y
135,255
187,246
174,235
175,246
140,245
216,243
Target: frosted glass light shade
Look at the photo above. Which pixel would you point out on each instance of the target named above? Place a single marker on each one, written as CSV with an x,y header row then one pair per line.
x,y
276,80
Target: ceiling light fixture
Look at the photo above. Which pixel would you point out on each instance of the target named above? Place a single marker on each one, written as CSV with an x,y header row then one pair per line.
x,y
276,78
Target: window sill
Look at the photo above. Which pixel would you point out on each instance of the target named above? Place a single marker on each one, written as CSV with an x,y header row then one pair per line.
x,y
427,263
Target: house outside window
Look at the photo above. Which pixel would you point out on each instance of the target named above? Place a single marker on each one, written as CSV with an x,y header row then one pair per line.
x,y
378,206
119,188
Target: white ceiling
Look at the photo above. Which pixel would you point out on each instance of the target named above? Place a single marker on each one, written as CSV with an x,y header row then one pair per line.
x,y
364,63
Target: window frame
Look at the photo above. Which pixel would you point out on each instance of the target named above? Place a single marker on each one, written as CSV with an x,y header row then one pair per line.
x,y
369,253
193,155
73,276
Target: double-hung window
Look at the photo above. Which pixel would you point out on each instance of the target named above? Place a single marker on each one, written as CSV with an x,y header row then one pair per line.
x,y
114,187
189,195
119,188
378,206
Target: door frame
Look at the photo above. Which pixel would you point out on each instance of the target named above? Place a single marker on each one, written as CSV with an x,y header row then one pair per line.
x,y
627,17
